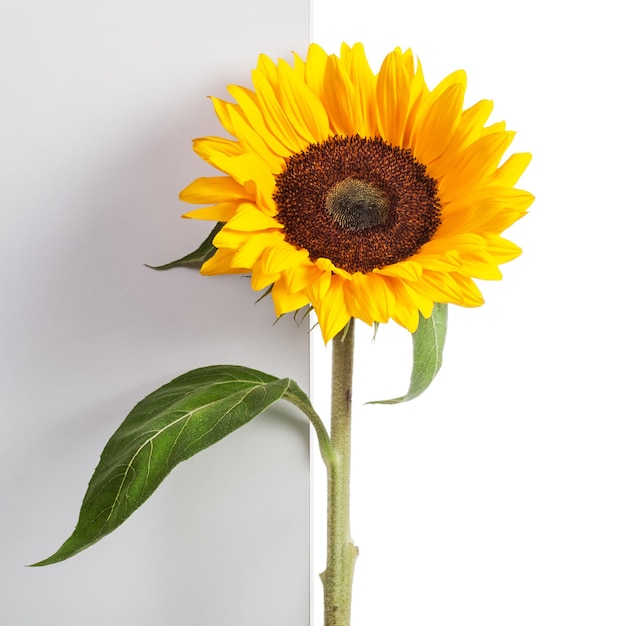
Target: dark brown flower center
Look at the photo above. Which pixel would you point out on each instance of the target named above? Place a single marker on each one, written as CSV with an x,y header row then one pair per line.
x,y
360,202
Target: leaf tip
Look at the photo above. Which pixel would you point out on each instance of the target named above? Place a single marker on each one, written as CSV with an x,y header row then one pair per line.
x,y
54,558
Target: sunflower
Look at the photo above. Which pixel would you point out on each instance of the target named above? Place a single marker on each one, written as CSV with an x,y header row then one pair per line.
x,y
363,195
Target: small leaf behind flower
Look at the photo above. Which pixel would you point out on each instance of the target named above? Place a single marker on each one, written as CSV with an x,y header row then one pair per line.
x,y
197,257
428,341
183,417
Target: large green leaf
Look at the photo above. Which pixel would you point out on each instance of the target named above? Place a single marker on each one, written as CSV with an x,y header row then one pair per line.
x,y
197,257
183,417
428,341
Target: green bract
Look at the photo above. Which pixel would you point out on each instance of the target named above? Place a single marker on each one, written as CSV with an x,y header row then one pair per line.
x,y
428,342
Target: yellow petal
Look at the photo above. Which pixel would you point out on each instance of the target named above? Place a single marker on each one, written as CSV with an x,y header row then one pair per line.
x,y
273,262
404,312
498,127
250,108
493,210
408,306
282,257
261,280
373,298
502,250
479,263
471,295
459,76
302,106
408,270
417,298
221,212
298,277
415,112
331,310
354,306
392,97
364,81
470,126
206,147
267,68
315,68
236,239
277,121
222,110
316,290
408,59
327,265
425,101
248,254
285,300
339,98
254,175
510,171
445,261
437,287
474,164
249,218
467,218
512,210
453,288
299,67
471,252
252,143
439,124
213,189
221,263
230,239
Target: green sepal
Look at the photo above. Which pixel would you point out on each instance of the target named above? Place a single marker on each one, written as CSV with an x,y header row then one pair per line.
x,y
428,342
178,420
197,257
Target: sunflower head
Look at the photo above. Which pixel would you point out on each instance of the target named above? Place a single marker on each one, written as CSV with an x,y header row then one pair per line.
x,y
363,195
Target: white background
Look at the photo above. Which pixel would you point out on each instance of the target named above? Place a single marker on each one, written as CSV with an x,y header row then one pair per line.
x,y
498,497
100,102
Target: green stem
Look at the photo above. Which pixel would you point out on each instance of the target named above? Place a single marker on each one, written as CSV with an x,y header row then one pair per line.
x,y
341,552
